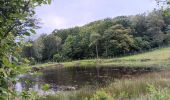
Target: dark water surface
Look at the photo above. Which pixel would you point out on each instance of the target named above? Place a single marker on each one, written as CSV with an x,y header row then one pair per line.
x,y
73,78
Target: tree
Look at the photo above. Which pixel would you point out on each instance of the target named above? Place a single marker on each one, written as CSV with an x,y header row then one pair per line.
x,y
122,20
155,26
108,37
119,39
139,23
16,21
72,48
94,38
57,57
28,50
39,47
141,44
51,46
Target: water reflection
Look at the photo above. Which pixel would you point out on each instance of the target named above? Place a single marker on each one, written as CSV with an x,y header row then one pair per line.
x,y
67,79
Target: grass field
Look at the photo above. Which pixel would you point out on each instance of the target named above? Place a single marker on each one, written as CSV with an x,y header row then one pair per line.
x,y
156,58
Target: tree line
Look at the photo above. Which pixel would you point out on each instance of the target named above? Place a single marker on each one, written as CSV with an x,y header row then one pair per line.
x,y
105,38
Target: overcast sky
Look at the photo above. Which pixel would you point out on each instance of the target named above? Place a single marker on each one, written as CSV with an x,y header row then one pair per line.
x,y
69,13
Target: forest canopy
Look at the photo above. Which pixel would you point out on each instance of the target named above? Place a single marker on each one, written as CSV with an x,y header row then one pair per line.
x,y
110,37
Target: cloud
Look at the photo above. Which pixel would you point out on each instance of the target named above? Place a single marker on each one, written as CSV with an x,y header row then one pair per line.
x,y
70,13
54,21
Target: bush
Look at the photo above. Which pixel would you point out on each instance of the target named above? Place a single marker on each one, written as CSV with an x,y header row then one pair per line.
x,y
158,93
57,57
101,95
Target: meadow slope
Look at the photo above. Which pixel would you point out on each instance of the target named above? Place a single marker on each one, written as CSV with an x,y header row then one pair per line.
x,y
157,58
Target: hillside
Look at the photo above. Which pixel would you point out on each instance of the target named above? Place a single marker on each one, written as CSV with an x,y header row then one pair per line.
x,y
155,58
107,38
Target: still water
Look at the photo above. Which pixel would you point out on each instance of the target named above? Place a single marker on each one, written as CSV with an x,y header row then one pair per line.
x,y
73,78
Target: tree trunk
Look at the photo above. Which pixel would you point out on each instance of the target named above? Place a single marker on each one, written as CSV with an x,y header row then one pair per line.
x,y
97,51
98,73
106,52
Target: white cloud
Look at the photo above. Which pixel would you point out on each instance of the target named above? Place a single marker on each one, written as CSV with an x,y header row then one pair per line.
x,y
54,21
70,13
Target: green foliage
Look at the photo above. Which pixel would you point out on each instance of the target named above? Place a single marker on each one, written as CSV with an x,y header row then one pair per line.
x,y
46,87
51,46
27,95
43,48
141,44
119,36
94,38
16,21
57,57
68,46
106,38
101,95
158,93
38,47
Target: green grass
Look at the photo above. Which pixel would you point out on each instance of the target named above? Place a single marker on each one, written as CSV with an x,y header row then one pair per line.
x,y
155,86
156,58
135,87
152,85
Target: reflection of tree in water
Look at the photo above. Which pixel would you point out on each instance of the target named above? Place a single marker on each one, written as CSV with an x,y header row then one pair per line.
x,y
77,76
66,78
28,81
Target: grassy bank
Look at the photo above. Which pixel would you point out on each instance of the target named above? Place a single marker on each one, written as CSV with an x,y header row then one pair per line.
x,y
155,86
150,86
156,58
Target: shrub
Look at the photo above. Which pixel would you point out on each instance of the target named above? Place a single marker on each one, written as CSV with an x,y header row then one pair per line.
x,y
101,95
158,93
57,57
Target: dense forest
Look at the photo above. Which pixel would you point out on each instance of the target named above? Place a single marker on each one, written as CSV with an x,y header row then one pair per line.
x,y
110,37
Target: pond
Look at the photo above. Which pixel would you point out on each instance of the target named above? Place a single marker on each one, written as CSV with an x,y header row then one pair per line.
x,y
74,78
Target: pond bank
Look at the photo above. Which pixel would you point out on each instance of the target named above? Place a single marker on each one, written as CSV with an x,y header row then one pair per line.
x,y
141,87
75,78
133,76
158,58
